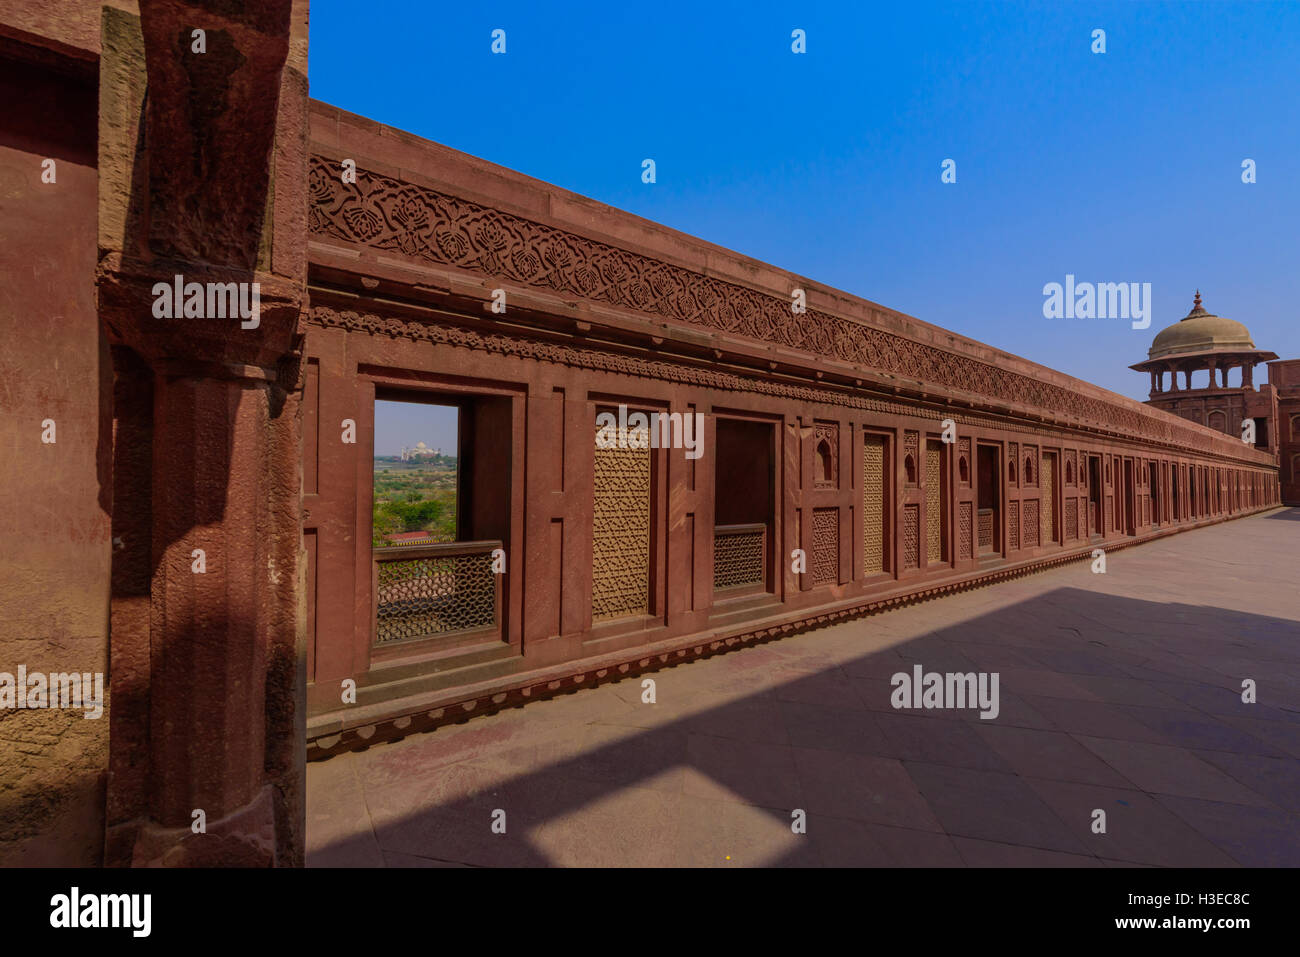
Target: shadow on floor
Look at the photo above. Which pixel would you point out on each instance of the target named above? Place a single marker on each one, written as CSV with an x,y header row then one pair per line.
x,y
1106,703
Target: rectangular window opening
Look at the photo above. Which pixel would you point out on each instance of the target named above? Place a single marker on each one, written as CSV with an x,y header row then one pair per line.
x,y
744,500
440,517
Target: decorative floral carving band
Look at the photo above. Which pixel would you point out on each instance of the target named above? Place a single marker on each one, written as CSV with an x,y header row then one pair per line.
x,y
598,360
384,213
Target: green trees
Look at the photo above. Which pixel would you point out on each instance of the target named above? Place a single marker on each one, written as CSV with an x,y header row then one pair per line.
x,y
414,500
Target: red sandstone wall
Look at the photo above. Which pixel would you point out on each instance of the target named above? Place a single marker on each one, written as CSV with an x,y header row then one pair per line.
x,y
718,341
901,353
68,27
556,392
54,524
1284,376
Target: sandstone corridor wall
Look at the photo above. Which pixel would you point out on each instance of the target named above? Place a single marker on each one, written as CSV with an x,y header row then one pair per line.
x,y
823,432
55,495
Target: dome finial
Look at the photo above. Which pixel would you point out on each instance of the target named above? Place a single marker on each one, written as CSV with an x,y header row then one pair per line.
x,y
1197,308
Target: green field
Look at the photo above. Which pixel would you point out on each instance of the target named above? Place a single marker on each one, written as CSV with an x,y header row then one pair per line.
x,y
414,497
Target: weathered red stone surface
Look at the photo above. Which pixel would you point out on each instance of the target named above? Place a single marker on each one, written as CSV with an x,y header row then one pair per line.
x,y
605,308
1284,378
177,435
183,431
223,644
54,497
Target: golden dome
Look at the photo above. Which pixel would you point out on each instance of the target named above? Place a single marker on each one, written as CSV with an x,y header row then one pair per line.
x,y
1200,331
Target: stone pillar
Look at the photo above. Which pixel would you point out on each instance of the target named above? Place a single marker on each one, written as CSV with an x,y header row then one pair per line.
x,y
1247,376
186,179
217,655
208,664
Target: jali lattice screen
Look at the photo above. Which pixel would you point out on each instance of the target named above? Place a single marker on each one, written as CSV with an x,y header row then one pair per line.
x,y
826,546
933,502
620,532
873,504
738,556
911,537
1031,526
420,597
1049,496
965,530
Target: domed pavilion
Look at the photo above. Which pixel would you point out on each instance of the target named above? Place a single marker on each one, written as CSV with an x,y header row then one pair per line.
x,y
1215,345
1202,341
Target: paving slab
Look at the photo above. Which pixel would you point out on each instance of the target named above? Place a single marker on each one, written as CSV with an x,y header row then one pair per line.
x,y
1119,693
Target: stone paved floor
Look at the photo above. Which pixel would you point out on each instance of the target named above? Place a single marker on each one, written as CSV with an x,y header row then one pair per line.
x,y
1119,692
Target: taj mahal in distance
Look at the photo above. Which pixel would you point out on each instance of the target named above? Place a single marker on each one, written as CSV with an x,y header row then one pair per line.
x,y
419,452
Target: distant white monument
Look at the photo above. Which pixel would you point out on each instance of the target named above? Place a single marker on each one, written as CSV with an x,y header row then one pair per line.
x,y
420,452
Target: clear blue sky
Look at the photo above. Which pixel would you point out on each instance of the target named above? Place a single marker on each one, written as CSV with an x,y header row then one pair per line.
x,y
1115,167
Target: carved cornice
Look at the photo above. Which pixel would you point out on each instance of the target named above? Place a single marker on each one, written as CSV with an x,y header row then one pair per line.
x,y
586,357
383,213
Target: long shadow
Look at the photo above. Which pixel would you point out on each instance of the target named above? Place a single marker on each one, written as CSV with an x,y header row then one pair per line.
x,y
1286,514
1102,700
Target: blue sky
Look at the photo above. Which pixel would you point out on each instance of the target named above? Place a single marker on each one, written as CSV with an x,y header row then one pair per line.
x,y
1116,167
